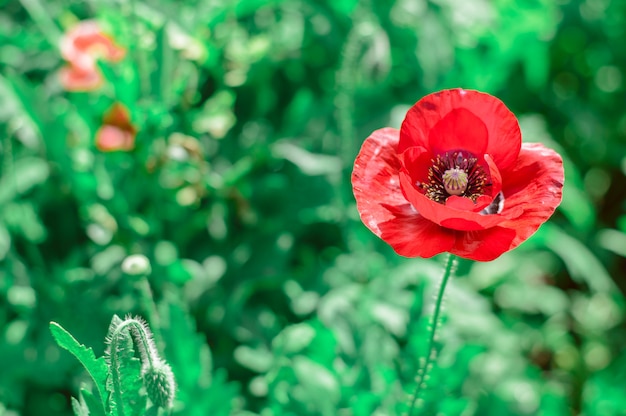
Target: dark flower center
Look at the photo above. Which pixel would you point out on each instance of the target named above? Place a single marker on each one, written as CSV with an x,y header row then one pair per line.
x,y
455,173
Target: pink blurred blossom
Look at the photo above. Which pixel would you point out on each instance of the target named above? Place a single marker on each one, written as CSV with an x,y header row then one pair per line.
x,y
81,47
116,133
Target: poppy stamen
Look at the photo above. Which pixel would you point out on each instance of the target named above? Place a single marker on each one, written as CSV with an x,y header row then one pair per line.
x,y
454,174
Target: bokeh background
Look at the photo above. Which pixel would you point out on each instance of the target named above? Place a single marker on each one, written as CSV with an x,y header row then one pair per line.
x,y
268,296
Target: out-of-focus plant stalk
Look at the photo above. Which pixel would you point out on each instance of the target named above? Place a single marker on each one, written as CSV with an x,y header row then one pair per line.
x,y
42,18
144,80
430,352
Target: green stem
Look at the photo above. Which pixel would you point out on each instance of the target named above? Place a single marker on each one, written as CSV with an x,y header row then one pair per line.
x,y
136,53
116,378
142,339
423,371
146,351
150,307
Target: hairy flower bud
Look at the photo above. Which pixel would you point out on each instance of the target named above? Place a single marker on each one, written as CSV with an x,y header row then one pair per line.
x,y
160,384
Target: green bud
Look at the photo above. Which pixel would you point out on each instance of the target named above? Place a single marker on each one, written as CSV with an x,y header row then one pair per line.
x,y
136,264
160,384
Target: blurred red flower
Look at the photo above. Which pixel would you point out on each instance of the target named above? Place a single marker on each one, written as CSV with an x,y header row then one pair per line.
x,y
455,178
81,47
117,132
74,78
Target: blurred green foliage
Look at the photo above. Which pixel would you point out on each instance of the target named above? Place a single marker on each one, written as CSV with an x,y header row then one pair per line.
x,y
267,295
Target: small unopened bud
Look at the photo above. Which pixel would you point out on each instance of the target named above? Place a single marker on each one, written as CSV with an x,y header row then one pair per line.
x,y
160,384
136,264
455,181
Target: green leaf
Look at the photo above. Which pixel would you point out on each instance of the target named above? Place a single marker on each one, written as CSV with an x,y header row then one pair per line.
x,y
22,101
96,367
93,405
581,263
28,172
201,390
319,384
79,407
152,411
86,404
186,352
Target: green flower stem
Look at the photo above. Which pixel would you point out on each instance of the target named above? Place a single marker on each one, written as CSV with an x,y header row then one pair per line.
x,y
138,269
144,86
150,307
423,371
116,379
142,338
146,351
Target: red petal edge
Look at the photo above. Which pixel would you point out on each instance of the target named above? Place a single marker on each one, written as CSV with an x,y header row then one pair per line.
x,y
383,208
74,79
86,38
504,136
534,183
111,138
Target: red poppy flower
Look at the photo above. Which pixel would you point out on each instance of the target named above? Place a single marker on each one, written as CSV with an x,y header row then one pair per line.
x,y
455,178
74,78
81,47
85,42
117,132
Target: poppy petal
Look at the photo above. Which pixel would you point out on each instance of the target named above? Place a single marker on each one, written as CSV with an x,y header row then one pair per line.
x,y
86,38
503,134
375,178
495,177
460,129
412,235
534,184
416,161
483,245
75,79
381,205
111,138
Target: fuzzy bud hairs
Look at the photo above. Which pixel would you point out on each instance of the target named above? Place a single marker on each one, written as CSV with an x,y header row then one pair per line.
x,y
156,374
